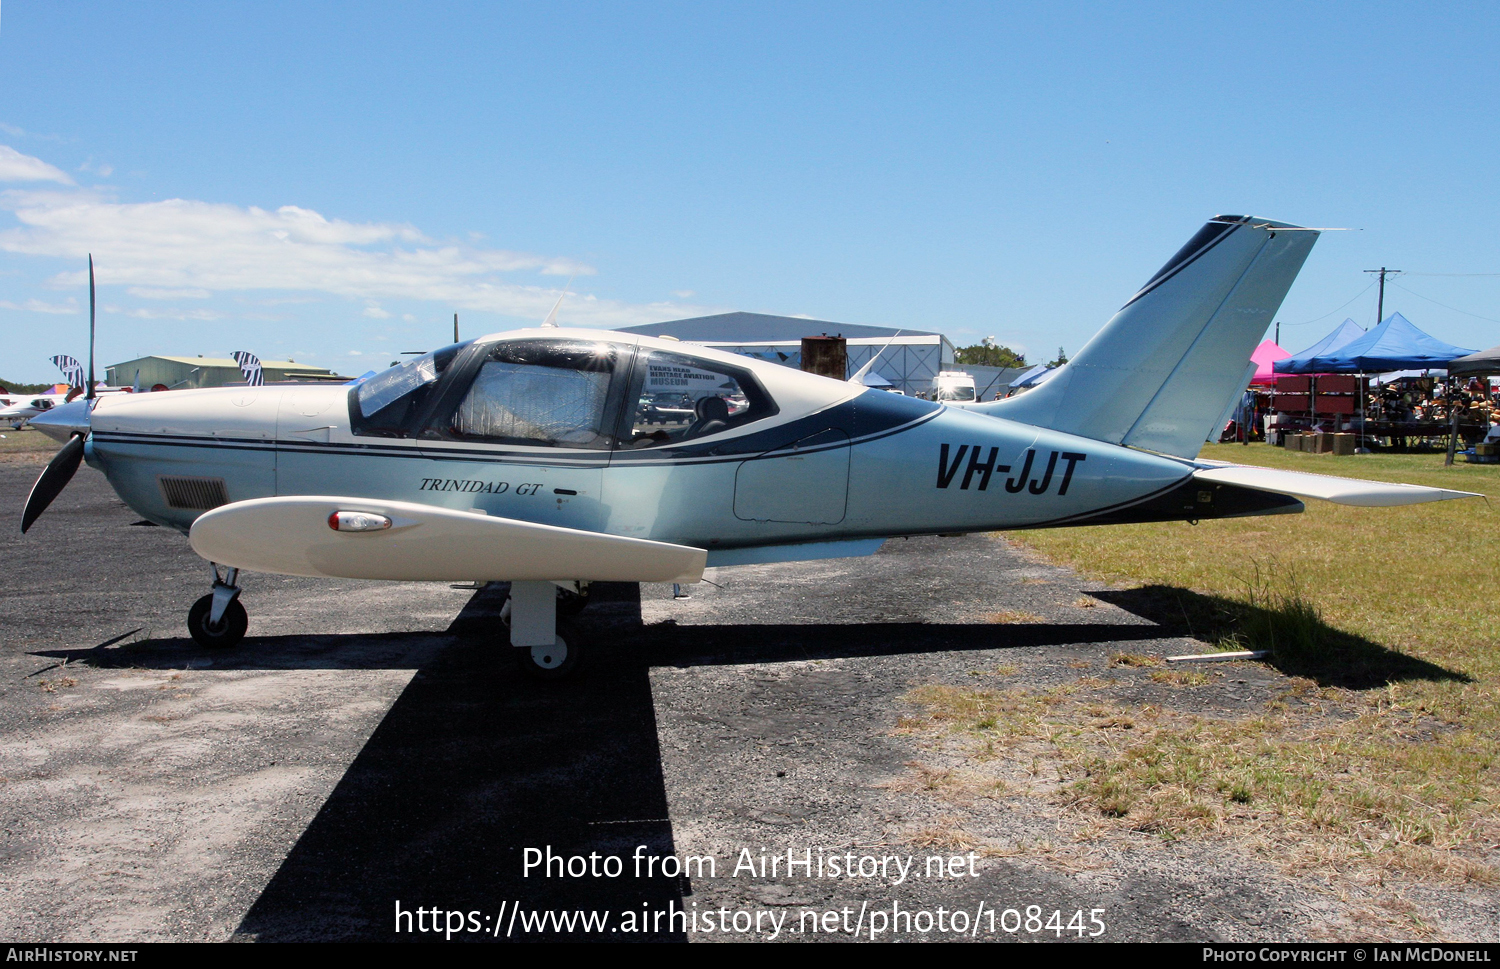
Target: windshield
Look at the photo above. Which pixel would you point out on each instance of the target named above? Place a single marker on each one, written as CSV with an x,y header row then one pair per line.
x,y
387,399
381,390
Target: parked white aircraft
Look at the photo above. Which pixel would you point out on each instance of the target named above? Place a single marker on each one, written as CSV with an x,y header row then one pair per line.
x,y
542,456
20,408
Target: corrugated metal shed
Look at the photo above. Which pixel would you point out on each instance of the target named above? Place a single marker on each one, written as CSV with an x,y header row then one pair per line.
x,y
182,373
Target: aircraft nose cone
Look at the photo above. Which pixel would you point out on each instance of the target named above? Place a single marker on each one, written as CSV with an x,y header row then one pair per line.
x,y
64,420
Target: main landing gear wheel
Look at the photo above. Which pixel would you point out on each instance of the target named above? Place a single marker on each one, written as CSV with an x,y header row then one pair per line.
x,y
552,662
229,630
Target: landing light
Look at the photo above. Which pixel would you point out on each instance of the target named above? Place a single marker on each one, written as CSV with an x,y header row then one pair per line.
x,y
357,521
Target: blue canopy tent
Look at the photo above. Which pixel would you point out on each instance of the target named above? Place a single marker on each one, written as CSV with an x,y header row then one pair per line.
x,y
1393,345
1347,332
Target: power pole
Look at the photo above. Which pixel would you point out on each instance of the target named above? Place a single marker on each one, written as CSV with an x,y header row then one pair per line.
x,y
455,327
1380,307
1361,387
1278,333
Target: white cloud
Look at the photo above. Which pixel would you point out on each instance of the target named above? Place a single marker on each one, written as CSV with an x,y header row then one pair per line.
x,y
16,132
180,244
373,310
683,293
37,306
203,315
145,292
16,167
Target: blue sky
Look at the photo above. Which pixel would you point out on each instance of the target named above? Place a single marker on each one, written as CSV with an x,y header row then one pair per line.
x,y
332,182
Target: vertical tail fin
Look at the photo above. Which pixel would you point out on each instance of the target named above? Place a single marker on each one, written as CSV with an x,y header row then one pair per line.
x,y
1158,374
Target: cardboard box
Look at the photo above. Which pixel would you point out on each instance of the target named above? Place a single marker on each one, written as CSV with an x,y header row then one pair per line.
x,y
1334,405
1342,443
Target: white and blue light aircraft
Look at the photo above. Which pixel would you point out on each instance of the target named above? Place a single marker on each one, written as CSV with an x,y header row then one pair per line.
x,y
541,456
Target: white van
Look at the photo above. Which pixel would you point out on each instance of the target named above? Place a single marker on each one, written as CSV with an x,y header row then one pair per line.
x,y
953,385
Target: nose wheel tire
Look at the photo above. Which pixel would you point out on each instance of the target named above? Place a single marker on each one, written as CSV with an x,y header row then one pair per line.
x,y
551,662
229,631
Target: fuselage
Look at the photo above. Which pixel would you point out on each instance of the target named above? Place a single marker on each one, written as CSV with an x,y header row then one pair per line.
x,y
806,460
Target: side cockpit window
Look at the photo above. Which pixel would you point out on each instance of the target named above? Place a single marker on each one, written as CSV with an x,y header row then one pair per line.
x,y
537,393
678,398
386,404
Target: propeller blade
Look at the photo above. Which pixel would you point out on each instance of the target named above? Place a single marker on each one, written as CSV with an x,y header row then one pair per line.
x,y
54,479
89,395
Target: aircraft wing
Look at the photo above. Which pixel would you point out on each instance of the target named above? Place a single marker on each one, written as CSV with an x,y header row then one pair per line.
x,y
293,536
1342,491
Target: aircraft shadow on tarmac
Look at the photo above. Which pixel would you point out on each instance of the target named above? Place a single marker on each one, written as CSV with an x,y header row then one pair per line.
x,y
474,762
620,633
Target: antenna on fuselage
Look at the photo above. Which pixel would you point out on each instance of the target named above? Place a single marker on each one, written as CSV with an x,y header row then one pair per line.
x,y
551,320
859,375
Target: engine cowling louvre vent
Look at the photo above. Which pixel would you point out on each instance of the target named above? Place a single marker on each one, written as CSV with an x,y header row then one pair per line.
x,y
200,494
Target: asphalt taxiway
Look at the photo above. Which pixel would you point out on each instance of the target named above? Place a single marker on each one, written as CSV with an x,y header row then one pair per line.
x,y
373,746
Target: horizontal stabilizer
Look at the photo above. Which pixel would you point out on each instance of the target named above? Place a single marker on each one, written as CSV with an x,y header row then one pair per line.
x,y
292,536
1342,491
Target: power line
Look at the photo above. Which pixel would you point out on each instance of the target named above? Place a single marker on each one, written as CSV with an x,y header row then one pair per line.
x,y
1445,306
1331,312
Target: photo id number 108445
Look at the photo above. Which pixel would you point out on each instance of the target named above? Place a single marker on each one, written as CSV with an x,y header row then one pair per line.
x,y
1034,920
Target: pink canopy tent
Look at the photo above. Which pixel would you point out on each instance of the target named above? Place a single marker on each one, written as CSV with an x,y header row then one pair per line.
x,y
1264,356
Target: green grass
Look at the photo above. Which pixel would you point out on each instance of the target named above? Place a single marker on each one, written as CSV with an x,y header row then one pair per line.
x,y
26,444
1421,579
1383,754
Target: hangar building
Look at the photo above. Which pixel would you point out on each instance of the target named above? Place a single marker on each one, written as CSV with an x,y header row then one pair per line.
x,y
909,363
183,373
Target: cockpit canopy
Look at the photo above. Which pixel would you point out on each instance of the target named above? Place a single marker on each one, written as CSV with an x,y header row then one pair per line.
x,y
556,391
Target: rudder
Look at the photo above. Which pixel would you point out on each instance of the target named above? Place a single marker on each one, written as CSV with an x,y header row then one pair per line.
x,y
1161,371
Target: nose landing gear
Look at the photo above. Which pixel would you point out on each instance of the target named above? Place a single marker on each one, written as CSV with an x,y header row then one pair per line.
x,y
218,620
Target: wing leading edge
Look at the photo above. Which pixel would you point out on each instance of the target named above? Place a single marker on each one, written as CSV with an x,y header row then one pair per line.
x,y
292,536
